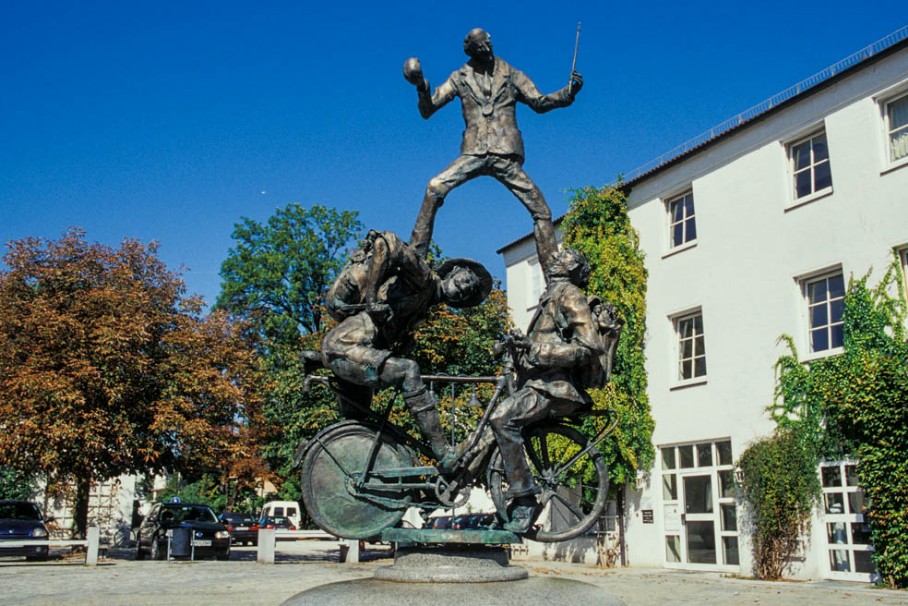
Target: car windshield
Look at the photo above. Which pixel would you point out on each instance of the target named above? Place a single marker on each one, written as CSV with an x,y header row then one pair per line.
x,y
19,511
187,513
238,518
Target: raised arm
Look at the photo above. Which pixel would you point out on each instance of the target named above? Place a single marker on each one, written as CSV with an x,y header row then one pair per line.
x,y
429,103
539,103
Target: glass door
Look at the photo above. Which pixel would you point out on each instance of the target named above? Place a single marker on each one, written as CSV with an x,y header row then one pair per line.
x,y
699,519
698,504
848,543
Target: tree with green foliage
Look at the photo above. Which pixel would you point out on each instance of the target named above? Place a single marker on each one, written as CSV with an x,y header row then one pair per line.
x,y
275,276
277,272
452,341
598,225
16,485
107,368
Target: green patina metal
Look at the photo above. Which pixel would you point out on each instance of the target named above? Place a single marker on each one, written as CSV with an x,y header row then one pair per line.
x,y
428,536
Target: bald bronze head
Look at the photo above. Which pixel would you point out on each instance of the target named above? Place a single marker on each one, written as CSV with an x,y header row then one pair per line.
x,y
478,44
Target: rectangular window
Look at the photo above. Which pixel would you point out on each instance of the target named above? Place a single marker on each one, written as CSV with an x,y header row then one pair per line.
x,y
810,165
682,224
825,298
691,347
903,258
897,128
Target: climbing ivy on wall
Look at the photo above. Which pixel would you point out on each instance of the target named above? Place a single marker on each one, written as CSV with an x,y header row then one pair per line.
x,y
856,404
597,224
781,488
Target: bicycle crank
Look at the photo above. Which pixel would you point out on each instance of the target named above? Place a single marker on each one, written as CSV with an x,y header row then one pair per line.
x,y
450,494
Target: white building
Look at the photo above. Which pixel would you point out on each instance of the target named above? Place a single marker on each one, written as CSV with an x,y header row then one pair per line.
x,y
751,231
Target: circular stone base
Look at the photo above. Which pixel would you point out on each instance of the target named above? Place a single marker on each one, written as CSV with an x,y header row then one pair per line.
x,y
451,565
537,590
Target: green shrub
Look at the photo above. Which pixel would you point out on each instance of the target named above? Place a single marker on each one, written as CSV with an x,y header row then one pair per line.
x,y
780,489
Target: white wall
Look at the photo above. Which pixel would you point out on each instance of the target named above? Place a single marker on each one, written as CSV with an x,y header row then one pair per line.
x,y
753,243
524,280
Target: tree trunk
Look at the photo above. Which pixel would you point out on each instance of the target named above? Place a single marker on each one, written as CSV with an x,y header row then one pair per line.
x,y
622,546
80,508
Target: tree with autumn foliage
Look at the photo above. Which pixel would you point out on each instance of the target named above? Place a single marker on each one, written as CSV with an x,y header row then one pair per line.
x,y
107,367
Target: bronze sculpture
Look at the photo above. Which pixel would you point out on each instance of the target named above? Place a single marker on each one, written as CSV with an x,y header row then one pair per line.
x,y
360,475
489,89
568,348
382,294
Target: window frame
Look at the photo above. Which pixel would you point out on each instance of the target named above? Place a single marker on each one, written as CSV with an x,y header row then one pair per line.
x,y
790,146
902,252
899,93
670,223
671,472
678,379
536,284
804,283
841,522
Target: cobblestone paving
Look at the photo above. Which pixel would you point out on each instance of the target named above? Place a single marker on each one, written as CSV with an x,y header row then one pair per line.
x,y
306,564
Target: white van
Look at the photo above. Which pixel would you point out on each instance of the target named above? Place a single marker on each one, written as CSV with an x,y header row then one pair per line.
x,y
287,509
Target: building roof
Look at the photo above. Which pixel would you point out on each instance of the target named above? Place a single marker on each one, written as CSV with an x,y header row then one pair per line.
x,y
868,55
815,83
557,222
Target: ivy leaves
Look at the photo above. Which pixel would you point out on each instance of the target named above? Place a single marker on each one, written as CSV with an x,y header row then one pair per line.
x,y
598,225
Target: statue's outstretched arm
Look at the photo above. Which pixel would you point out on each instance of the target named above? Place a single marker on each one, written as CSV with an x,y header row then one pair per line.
x,y
431,103
539,103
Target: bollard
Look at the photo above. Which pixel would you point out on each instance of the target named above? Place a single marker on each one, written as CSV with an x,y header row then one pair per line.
x,y
349,552
266,546
94,542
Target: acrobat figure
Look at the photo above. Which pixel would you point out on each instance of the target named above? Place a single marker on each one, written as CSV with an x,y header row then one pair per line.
x,y
489,89
381,295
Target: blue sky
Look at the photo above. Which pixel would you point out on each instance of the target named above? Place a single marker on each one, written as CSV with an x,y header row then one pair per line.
x,y
170,121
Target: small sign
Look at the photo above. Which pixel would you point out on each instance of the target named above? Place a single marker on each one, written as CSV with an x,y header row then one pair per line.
x,y
647,516
176,500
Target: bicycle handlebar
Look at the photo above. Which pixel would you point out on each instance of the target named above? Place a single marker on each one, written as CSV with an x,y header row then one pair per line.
x,y
459,379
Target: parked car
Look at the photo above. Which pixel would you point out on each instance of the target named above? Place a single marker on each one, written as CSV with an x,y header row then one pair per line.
x,y
208,536
473,521
22,521
278,523
440,523
243,527
277,509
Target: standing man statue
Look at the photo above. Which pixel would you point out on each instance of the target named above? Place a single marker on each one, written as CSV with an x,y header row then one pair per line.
x,y
489,89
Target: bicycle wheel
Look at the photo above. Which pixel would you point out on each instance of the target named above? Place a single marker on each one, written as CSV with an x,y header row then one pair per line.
x,y
574,489
332,466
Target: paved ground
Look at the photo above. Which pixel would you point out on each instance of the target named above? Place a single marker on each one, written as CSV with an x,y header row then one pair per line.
x,y
303,565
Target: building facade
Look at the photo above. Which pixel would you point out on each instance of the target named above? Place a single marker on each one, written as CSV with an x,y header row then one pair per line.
x,y
752,232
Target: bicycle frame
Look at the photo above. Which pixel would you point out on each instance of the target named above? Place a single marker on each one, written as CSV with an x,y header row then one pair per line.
x,y
382,425
374,484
